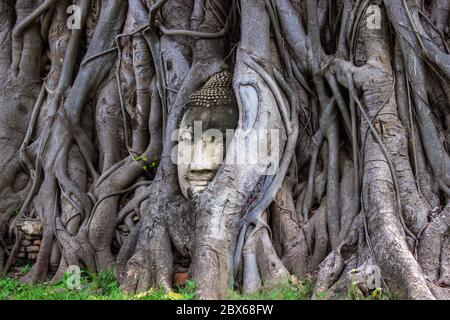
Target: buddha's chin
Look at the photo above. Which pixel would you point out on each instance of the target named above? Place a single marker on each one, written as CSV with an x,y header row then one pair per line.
x,y
196,187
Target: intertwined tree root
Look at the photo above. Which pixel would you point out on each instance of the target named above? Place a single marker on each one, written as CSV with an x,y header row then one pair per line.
x,y
359,91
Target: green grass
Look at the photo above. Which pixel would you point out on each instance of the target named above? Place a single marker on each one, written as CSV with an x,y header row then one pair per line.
x,y
303,290
291,290
103,286
378,294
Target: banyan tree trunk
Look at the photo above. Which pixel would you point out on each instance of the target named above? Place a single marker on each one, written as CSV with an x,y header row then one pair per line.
x,y
357,92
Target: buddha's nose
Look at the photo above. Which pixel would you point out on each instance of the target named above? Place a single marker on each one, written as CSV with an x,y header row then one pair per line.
x,y
202,165
201,160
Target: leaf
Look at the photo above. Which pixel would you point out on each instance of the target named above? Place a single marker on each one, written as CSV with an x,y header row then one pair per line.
x,y
144,294
142,157
174,296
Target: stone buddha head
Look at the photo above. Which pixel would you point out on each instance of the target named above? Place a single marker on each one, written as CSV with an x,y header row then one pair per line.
x,y
208,114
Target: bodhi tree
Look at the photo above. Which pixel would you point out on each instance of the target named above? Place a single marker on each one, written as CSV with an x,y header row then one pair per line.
x,y
98,117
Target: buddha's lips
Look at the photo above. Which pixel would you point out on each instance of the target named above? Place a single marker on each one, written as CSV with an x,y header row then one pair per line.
x,y
201,177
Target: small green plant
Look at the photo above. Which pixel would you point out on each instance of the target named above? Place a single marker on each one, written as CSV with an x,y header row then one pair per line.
x,y
377,293
15,212
188,290
25,269
293,289
321,295
154,162
140,158
354,293
147,166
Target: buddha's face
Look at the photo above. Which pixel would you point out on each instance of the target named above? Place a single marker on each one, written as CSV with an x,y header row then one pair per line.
x,y
202,145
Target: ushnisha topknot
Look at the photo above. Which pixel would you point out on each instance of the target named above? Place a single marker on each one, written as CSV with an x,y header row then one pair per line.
x,y
217,91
